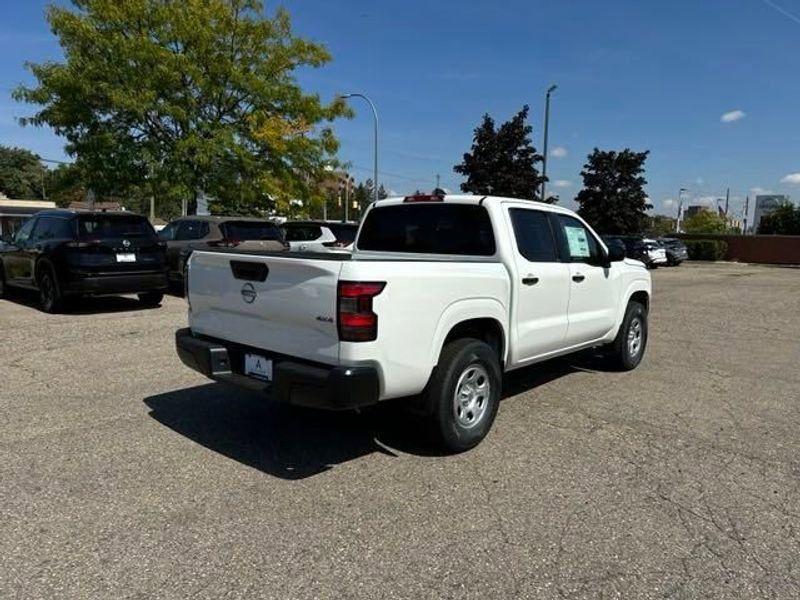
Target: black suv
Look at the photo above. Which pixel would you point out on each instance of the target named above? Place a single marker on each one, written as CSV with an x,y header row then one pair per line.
x,y
64,253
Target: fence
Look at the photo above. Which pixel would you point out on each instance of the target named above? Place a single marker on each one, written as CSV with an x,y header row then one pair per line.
x,y
766,249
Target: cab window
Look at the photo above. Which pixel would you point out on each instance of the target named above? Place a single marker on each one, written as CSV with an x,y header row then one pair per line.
x,y
24,232
577,242
533,234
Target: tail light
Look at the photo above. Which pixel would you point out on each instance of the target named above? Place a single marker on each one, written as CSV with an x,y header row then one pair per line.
x,y
357,322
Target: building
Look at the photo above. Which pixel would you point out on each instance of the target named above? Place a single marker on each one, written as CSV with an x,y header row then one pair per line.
x,y
13,213
765,205
694,210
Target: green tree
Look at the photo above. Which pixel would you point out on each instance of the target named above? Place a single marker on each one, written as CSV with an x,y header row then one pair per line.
x,y
784,220
21,173
706,221
193,95
502,161
661,225
613,200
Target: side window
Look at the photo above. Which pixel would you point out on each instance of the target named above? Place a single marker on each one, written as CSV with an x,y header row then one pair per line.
x,y
167,233
577,242
191,230
52,228
24,232
534,235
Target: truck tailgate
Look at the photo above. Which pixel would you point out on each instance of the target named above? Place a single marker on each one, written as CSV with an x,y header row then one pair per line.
x,y
283,304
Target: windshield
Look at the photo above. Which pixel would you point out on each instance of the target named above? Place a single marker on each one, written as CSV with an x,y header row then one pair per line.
x,y
427,228
114,226
251,230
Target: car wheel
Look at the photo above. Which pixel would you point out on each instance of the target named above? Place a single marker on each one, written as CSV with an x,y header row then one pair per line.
x,y
627,350
464,394
49,291
151,298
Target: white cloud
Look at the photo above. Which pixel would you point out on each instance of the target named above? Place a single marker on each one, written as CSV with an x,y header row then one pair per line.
x,y
710,201
759,191
733,116
668,203
562,183
793,178
700,181
559,152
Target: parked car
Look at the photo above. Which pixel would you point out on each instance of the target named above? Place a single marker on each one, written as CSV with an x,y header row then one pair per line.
x,y
185,234
440,296
638,248
64,253
676,251
319,236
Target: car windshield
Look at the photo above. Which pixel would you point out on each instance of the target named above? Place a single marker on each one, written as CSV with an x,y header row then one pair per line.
x,y
114,226
428,228
251,230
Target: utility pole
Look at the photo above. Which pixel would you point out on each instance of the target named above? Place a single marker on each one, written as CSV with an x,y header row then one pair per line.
x,y
727,200
680,209
437,181
550,90
744,219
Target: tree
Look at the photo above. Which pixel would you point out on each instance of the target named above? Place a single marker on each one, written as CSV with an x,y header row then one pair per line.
x,y
502,162
613,200
661,225
195,95
784,220
21,173
706,221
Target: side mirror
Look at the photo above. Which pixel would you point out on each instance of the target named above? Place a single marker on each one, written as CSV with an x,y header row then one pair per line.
x,y
616,253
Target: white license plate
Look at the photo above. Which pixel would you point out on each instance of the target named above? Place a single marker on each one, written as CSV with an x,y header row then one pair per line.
x,y
258,366
126,257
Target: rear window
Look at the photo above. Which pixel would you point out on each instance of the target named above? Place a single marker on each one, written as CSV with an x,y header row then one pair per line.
x,y
114,226
344,233
250,230
301,232
428,228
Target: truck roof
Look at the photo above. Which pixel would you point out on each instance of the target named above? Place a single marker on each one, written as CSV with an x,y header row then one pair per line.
x,y
475,199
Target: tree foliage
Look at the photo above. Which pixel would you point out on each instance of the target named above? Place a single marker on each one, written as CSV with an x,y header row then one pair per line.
x,y
784,220
660,226
191,95
613,200
502,161
706,221
21,173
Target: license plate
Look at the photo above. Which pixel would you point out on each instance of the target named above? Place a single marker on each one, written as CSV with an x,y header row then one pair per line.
x,y
126,257
258,366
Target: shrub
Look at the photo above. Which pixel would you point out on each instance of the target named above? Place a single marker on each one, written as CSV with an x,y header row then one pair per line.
x,y
706,249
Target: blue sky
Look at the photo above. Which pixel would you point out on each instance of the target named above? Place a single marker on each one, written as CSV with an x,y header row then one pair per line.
x,y
643,74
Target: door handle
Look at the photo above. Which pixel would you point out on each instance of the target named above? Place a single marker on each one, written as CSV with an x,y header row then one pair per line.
x,y
530,280
578,278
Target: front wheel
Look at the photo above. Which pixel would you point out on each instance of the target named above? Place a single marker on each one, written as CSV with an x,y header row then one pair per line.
x,y
464,394
49,292
151,298
627,350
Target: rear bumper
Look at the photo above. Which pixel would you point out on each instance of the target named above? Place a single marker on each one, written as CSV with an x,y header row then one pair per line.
x,y
116,283
300,384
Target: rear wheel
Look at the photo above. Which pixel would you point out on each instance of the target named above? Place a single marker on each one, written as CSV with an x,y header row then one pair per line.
x,y
627,350
151,298
464,394
49,291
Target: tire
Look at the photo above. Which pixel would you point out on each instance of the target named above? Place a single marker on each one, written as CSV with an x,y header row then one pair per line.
x,y
151,298
50,299
461,420
627,350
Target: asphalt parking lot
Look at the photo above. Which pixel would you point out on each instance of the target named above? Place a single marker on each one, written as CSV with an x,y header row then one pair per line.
x,y
125,475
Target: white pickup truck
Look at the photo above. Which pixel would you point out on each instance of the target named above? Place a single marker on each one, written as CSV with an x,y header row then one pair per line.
x,y
440,296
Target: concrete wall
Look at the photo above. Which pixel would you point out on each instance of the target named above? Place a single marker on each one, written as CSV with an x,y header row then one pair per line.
x,y
766,249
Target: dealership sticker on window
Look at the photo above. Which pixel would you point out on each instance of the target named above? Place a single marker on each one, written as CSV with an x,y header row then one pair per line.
x,y
578,244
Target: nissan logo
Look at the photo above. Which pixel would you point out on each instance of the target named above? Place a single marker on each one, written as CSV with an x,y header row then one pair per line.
x,y
249,293
126,243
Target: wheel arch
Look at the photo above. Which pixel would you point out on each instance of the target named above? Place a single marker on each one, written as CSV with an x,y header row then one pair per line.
x,y
483,319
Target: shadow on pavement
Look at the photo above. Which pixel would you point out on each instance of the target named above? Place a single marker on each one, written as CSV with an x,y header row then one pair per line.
x,y
86,305
295,443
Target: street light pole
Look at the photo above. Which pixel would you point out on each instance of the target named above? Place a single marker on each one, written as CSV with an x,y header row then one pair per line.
x,y
550,90
680,209
375,157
